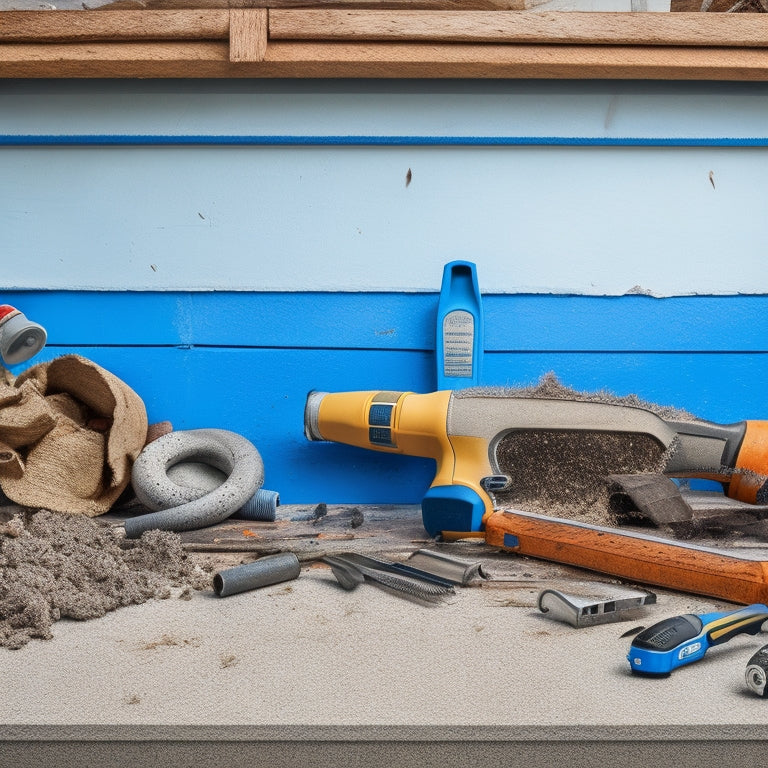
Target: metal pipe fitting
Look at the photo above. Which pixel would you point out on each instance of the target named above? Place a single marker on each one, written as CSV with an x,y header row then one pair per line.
x,y
311,415
263,572
181,508
261,506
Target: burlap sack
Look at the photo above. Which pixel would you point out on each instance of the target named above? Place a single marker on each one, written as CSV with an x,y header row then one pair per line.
x,y
69,433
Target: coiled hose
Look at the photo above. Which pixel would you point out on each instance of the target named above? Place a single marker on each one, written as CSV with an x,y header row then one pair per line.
x,y
182,508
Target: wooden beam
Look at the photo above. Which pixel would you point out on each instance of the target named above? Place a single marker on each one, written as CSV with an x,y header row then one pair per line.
x,y
84,26
248,42
248,31
108,6
384,60
690,29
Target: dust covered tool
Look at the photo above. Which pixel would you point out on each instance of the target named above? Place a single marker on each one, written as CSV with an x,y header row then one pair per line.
x,y
453,569
264,572
352,569
466,433
683,511
684,639
632,555
581,611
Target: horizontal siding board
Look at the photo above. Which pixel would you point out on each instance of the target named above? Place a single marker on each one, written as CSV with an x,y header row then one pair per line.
x,y
396,321
553,219
233,319
632,322
587,109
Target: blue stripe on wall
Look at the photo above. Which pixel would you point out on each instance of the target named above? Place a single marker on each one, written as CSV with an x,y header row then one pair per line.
x,y
115,140
245,361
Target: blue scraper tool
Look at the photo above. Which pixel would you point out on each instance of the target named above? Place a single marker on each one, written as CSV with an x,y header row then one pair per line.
x,y
684,639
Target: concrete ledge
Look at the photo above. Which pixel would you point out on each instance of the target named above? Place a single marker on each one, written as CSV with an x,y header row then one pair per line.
x,y
427,752
304,673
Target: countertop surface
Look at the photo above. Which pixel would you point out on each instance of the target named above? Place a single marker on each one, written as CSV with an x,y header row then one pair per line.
x,y
307,663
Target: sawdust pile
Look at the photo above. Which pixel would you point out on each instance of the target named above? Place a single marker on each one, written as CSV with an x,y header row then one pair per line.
x,y
563,474
549,387
57,566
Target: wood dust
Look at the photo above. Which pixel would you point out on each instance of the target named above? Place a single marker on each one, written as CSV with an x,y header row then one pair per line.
x,y
562,473
55,566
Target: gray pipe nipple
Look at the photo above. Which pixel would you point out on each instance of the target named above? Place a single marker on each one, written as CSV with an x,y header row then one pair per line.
x,y
271,569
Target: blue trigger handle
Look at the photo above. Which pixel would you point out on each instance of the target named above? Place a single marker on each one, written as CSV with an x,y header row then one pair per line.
x,y
452,508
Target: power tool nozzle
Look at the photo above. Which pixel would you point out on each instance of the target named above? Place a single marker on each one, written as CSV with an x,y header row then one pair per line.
x,y
311,415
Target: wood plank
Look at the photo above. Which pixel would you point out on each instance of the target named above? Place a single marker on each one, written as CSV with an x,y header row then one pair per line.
x,y
80,26
130,59
384,60
339,528
483,5
248,31
694,29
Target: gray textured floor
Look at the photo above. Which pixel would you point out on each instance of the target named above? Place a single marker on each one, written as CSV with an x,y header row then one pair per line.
x,y
304,671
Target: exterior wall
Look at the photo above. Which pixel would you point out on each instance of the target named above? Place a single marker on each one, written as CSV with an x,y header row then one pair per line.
x,y
227,247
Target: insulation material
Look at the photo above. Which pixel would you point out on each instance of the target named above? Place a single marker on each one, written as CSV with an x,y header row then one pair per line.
x,y
55,566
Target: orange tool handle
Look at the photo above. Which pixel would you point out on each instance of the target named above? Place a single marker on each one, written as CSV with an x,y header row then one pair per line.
x,y
633,556
752,457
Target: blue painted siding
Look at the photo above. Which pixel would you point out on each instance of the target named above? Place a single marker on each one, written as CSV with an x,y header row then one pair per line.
x,y
245,361
225,247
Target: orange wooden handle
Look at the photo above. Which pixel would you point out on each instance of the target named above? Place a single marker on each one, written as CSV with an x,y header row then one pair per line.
x,y
637,557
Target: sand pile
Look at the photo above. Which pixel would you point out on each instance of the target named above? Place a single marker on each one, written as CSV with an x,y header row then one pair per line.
x,y
57,566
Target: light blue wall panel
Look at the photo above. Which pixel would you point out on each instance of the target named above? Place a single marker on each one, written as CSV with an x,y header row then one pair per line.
x,y
591,220
593,188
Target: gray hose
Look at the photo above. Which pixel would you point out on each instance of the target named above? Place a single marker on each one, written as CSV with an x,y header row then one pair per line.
x,y
271,569
199,479
181,508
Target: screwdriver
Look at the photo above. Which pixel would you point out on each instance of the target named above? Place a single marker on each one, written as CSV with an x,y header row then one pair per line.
x,y
680,640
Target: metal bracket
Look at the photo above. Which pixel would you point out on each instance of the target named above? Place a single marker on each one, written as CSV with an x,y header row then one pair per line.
x,y
588,611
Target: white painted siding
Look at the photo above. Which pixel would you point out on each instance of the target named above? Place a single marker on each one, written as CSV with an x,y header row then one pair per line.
x,y
584,196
